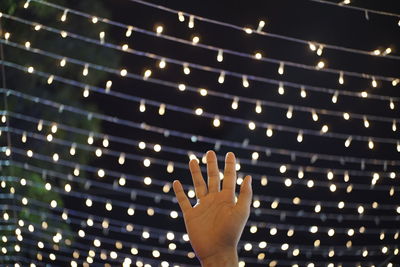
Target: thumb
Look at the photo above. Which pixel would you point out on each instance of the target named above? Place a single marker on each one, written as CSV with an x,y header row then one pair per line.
x,y
245,196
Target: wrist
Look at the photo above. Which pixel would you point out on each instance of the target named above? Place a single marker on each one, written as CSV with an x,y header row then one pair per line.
x,y
226,258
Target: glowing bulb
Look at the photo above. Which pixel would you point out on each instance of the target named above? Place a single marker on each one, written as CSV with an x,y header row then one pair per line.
x,y
269,132
346,116
366,122
181,17
370,144
300,136
101,36
282,169
312,46
317,208
142,106
235,103
161,110
216,121
251,125
147,162
288,182
320,50
360,209
320,65
281,89
281,68
245,82
220,56
258,108
162,64
394,127
391,104
147,181
258,56
374,83
128,32
31,69
195,40
303,92
186,69
159,29
335,97
182,87
248,30
314,115
364,94
191,22
123,72
332,187
221,77
314,229
101,173
348,141
341,205
199,111
289,113
146,74
341,79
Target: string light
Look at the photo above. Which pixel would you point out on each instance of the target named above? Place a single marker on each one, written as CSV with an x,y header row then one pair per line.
x,y
281,89
281,68
191,22
221,77
341,78
245,82
220,56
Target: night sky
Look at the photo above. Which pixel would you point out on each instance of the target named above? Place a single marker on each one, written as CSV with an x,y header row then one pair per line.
x,y
180,132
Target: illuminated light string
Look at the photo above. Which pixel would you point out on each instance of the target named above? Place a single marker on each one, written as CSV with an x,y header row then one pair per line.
x,y
193,17
283,250
242,261
271,178
330,172
101,239
157,148
148,127
122,203
345,4
251,124
65,34
169,213
255,245
257,198
203,91
275,202
144,228
363,94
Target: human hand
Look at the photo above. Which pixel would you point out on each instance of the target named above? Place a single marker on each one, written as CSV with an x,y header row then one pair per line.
x,y
216,222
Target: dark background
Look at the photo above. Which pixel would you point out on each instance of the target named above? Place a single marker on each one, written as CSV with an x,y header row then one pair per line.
x,y
301,19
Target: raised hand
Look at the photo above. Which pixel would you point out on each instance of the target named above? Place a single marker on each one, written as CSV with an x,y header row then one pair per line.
x,y
216,222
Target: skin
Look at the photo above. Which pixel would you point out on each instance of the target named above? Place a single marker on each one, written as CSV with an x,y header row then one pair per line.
x,y
216,222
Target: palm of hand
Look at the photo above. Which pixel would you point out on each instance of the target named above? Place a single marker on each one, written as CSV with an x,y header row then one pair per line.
x,y
216,222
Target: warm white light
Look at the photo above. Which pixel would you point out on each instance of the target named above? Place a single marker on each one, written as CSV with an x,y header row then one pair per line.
x,y
335,97
303,92
364,94
182,87
191,22
348,141
281,68
123,72
159,29
195,40
370,144
146,74
199,111
341,79
245,81
289,113
258,108
147,181
314,229
366,122
324,129
320,65
314,115
281,89
282,169
162,64
300,136
251,125
374,82
147,162
220,56
235,103
346,116
258,55
216,122
269,132
221,77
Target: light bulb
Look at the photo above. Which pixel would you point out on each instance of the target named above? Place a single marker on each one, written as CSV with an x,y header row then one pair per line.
x,y
303,92
186,69
235,103
261,25
258,55
346,116
374,82
281,89
220,56
245,82
314,115
195,40
289,113
159,29
335,97
221,77
348,141
162,64
370,144
281,68
191,22
258,108
341,79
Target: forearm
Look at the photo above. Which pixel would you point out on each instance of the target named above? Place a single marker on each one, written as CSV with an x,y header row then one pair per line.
x,y
224,259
